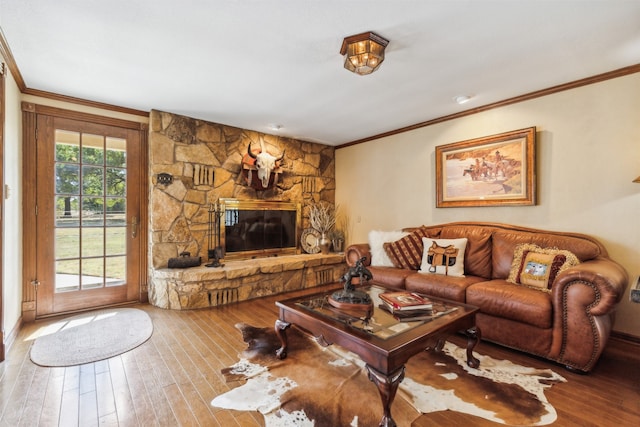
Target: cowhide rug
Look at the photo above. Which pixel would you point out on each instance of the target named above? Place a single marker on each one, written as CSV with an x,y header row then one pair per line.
x,y
328,386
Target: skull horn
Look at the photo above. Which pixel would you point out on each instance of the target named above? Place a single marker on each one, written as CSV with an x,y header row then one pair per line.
x,y
253,156
279,159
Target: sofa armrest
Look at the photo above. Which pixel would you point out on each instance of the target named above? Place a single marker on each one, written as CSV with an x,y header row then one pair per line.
x,y
607,278
584,299
356,251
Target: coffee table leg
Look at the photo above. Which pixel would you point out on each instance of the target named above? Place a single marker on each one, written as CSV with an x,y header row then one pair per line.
x,y
387,386
473,338
281,331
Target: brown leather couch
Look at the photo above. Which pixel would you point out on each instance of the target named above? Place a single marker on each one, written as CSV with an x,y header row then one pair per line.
x,y
570,325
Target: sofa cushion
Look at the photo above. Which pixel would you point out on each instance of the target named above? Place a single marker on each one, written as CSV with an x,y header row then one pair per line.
x,y
440,286
377,239
538,267
510,301
390,276
504,243
443,256
477,258
406,252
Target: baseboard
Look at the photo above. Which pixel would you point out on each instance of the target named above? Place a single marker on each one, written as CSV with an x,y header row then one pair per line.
x,y
10,338
621,336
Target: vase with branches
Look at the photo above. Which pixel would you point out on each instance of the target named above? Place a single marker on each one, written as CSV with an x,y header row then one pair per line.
x,y
322,217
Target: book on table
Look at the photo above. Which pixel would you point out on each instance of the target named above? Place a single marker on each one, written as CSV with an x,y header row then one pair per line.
x,y
405,301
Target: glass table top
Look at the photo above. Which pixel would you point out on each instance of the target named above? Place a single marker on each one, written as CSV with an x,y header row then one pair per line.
x,y
374,319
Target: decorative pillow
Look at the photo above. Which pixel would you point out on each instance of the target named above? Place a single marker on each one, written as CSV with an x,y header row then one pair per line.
x,y
443,256
379,257
407,252
538,267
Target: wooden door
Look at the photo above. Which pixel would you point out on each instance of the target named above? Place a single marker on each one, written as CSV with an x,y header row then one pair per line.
x,y
87,215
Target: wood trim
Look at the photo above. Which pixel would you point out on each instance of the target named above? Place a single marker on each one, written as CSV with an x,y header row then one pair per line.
x,y
632,69
5,51
85,102
628,338
3,101
86,117
29,169
144,218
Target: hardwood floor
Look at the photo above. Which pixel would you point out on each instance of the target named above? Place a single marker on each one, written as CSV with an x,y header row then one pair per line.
x,y
171,379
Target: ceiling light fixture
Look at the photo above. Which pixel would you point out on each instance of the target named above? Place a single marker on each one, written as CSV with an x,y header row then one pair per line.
x,y
363,53
275,126
462,99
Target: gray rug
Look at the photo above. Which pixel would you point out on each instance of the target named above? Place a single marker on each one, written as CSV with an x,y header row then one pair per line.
x,y
92,336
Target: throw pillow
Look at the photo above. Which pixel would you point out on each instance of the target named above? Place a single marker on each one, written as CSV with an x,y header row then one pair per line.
x,y
443,256
538,267
377,238
407,252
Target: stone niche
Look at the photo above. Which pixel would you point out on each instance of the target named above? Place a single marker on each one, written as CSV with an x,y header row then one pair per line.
x,y
204,162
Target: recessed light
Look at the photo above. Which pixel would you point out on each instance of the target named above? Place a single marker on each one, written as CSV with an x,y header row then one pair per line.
x,y
462,99
275,126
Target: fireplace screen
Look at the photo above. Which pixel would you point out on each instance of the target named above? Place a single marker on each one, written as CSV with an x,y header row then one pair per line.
x,y
253,228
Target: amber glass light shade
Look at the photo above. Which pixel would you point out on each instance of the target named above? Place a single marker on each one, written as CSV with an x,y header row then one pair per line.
x,y
363,53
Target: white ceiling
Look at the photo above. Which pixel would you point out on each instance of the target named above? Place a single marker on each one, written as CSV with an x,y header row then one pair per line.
x,y
252,63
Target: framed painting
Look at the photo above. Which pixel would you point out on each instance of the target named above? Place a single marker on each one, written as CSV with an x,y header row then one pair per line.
x,y
496,170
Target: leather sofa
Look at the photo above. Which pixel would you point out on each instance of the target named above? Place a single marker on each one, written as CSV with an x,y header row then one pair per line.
x,y
569,324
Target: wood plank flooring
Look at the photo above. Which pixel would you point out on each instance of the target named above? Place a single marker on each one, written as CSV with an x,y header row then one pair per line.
x,y
171,379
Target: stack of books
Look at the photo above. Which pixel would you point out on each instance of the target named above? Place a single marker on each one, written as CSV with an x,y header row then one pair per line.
x,y
406,306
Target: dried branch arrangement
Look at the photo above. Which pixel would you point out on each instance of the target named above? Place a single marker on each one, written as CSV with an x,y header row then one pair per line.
x,y
322,217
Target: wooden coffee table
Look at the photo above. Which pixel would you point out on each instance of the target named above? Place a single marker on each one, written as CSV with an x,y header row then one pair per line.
x,y
384,343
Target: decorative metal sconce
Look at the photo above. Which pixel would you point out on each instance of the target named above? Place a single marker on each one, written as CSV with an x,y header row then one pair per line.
x,y
164,178
214,250
363,53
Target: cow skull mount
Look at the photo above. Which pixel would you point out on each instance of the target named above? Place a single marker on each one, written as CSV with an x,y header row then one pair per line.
x,y
264,163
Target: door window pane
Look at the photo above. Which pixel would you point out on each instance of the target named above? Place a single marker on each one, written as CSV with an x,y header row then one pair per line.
x,y
116,182
116,152
116,241
67,242
92,149
92,241
67,211
92,273
116,271
67,146
92,211
67,178
67,275
92,180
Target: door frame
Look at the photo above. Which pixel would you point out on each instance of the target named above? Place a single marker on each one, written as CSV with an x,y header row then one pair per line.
x,y
30,112
3,74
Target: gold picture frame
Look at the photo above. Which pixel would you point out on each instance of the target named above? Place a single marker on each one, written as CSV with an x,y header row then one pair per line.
x,y
496,170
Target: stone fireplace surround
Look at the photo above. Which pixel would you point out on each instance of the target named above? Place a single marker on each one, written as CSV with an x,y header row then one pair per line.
x,y
204,160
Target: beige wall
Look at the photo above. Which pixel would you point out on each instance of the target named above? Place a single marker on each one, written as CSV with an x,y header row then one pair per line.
x,y
12,242
588,153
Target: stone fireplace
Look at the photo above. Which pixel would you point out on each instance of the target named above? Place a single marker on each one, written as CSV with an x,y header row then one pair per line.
x,y
192,165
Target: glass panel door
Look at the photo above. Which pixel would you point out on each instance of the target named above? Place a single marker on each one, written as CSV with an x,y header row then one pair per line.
x,y
92,224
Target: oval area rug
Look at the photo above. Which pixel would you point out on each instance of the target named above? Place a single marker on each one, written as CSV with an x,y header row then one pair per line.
x,y
92,336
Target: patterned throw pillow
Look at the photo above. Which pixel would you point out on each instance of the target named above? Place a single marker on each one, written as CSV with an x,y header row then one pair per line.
x,y
538,267
443,256
407,252
377,238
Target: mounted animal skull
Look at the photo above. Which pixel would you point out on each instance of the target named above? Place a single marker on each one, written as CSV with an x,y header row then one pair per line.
x,y
265,163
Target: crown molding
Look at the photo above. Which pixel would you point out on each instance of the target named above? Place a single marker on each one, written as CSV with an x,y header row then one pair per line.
x,y
632,69
5,51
